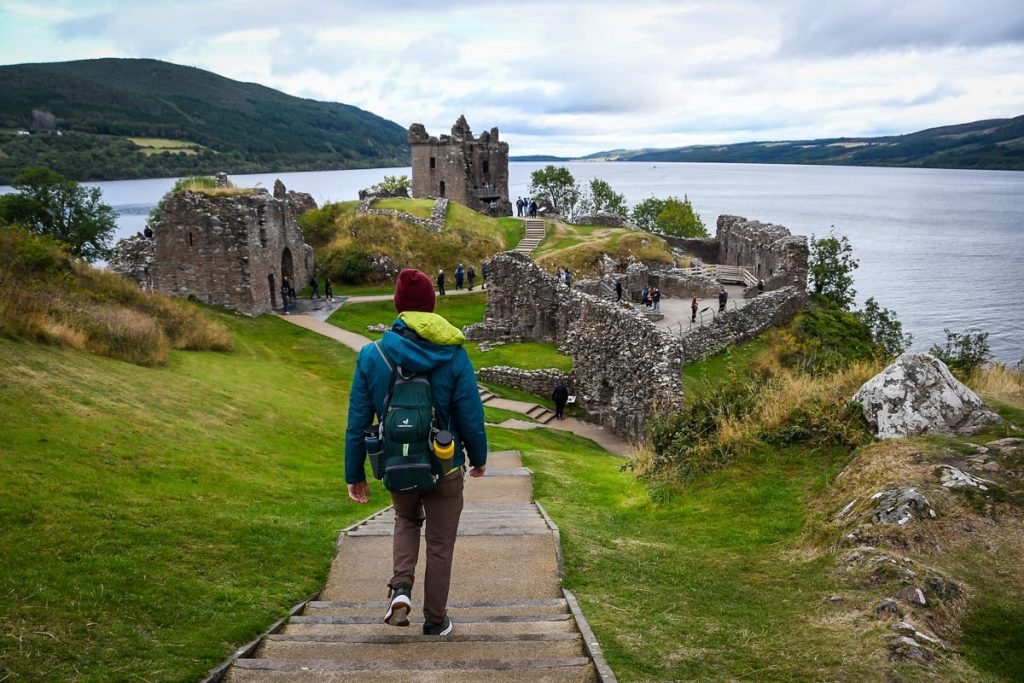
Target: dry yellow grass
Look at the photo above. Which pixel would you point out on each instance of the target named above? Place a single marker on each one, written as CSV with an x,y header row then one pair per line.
x,y
999,382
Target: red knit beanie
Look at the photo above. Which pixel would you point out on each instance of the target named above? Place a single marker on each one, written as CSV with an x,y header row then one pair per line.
x,y
414,292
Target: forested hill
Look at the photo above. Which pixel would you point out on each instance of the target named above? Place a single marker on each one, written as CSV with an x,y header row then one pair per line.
x,y
991,144
102,119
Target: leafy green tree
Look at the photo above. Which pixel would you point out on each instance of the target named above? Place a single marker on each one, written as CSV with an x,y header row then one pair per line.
x,y
645,213
678,218
830,269
886,329
49,204
556,186
601,197
965,352
393,184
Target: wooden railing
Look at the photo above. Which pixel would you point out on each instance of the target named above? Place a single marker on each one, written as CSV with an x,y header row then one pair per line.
x,y
734,274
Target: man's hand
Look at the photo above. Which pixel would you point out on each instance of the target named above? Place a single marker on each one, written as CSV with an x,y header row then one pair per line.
x,y
477,471
360,492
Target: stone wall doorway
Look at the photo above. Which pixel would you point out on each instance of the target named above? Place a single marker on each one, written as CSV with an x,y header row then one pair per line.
x,y
288,269
273,290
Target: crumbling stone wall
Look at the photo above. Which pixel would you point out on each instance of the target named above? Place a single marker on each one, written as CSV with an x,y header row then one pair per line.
x,y
534,382
624,366
777,256
612,220
133,257
768,310
472,170
436,222
230,250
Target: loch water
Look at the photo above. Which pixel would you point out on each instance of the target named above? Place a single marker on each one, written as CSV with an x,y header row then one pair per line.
x,y
943,248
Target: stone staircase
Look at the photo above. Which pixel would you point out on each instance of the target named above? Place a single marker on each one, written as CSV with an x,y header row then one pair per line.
x,y
534,236
534,411
510,625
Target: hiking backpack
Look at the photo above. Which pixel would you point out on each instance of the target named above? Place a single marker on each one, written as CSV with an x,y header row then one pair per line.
x,y
407,426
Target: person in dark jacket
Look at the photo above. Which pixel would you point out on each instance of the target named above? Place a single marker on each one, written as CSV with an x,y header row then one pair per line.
x,y
470,276
723,297
693,310
286,290
460,273
440,282
560,395
618,290
314,287
422,342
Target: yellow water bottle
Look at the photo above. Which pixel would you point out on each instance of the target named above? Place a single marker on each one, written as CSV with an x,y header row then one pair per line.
x,y
444,449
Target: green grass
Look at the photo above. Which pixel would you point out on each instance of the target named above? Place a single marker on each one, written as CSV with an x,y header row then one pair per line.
x,y
154,519
460,311
582,247
709,585
710,373
420,208
497,415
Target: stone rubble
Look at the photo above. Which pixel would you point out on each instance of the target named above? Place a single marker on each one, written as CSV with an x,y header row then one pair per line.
x,y
953,478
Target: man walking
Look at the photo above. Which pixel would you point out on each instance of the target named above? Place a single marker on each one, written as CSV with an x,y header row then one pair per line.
x,y
440,282
618,290
421,342
723,297
460,273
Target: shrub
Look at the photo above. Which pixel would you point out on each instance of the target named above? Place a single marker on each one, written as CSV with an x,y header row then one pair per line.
x,y
965,352
352,268
830,269
886,329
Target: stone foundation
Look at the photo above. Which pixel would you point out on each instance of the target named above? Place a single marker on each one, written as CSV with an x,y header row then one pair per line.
x,y
533,382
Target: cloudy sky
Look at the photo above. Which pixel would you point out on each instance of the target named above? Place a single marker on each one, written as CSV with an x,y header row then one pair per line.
x,y
577,77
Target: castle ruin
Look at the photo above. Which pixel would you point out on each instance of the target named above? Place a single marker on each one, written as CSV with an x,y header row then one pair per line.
x,y
229,250
471,170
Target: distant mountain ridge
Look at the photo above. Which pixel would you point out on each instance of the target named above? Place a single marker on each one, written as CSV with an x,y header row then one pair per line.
x,y
182,119
995,144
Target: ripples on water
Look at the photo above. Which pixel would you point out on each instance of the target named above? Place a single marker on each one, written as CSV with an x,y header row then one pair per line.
x,y
943,248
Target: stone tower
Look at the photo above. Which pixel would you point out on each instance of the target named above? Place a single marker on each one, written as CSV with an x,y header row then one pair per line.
x,y
467,169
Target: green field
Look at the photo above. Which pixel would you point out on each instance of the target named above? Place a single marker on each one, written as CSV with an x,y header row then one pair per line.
x,y
160,145
420,208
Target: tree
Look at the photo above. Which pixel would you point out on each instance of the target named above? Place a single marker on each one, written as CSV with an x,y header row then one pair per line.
x,y
556,186
392,184
49,204
965,352
645,213
678,218
886,329
830,270
602,197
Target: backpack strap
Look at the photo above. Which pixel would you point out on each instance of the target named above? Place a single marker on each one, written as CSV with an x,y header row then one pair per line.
x,y
391,380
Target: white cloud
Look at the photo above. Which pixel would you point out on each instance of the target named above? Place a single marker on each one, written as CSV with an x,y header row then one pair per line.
x,y
575,77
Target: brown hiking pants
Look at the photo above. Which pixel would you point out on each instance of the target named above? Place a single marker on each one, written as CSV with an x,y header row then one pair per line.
x,y
441,507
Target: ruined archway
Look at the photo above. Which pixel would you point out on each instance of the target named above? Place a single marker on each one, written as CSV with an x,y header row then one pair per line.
x,y
287,267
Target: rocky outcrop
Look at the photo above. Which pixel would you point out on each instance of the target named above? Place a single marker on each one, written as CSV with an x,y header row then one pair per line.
x,y
918,394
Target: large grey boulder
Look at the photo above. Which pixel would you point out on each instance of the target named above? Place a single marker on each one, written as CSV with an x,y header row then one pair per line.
x,y
918,394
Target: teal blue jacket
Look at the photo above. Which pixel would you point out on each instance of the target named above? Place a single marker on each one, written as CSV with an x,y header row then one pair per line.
x,y
435,349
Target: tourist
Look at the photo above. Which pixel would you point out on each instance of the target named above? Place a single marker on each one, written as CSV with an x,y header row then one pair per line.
x,y
440,282
760,286
693,310
470,276
533,208
519,207
485,268
328,289
643,295
723,297
560,395
460,274
419,341
314,288
286,290
656,299
618,290
568,278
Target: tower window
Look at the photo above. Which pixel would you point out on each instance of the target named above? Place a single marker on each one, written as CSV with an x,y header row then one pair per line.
x,y
486,165
433,162
190,238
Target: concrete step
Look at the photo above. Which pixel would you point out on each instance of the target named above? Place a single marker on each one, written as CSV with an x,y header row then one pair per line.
x,y
421,648
457,608
466,628
547,417
573,670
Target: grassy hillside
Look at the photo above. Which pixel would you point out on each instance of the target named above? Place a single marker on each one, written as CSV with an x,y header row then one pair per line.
x,y
370,249
154,518
991,144
581,248
132,118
